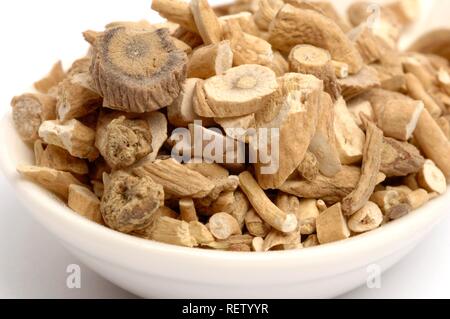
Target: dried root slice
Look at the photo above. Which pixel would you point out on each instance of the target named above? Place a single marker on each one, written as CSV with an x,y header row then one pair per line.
x,y
356,84
321,205
121,141
210,60
417,198
369,46
400,158
59,159
76,97
222,226
85,203
137,71
279,64
171,231
433,142
306,211
369,172
309,59
255,225
392,203
258,244
57,182
431,178
366,219
418,92
332,226
236,127
239,91
267,10
294,108
323,144
276,240
350,138
293,26
233,243
73,136
241,207
162,211
434,42
311,241
51,80
400,118
129,201
245,20
177,180
361,108
309,167
38,149
157,122
271,214
29,111
208,24
177,11
201,233
187,210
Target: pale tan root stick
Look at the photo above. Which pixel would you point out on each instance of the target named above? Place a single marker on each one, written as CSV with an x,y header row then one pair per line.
x,y
255,225
331,225
241,208
417,198
433,142
369,171
177,11
187,210
356,84
222,226
171,231
85,203
368,218
38,149
417,91
200,232
359,108
400,158
210,60
284,222
57,182
321,205
283,241
208,24
58,158
233,243
309,167
305,210
245,20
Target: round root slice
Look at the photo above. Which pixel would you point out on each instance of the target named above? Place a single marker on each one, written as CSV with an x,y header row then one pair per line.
x,y
223,226
431,178
137,71
241,90
129,202
366,219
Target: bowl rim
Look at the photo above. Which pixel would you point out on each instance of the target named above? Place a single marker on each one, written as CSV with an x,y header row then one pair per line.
x,y
36,196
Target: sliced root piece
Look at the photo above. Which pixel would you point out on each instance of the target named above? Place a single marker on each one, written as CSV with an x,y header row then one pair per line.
x,y
157,122
400,118
311,241
52,79
73,136
128,201
208,24
181,111
279,65
270,213
309,59
293,26
122,141
187,210
417,198
118,72
276,240
177,180
29,111
57,182
431,178
435,42
223,226
369,172
240,91
210,60
176,11
171,231
59,159
200,232
245,20
369,46
361,108
85,203
267,10
309,167
332,226
233,243
366,219
356,84
255,225
38,149
418,92
400,158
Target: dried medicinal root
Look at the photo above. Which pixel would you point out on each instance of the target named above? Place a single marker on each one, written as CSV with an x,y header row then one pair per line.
x,y
121,141
73,136
308,168
368,218
245,20
369,172
171,231
222,226
29,111
57,182
233,243
55,76
177,11
200,232
309,59
239,91
129,201
354,85
331,225
85,203
255,225
434,42
431,178
400,158
59,159
417,198
267,10
187,210
177,180
137,71
278,240
241,207
38,149
340,69
361,108
293,26
208,24
210,60
271,214
418,92
392,203
311,241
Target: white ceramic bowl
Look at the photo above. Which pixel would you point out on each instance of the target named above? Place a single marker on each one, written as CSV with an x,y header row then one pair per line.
x,y
151,269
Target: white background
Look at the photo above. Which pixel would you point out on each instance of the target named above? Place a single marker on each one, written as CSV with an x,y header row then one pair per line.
x,y
34,34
